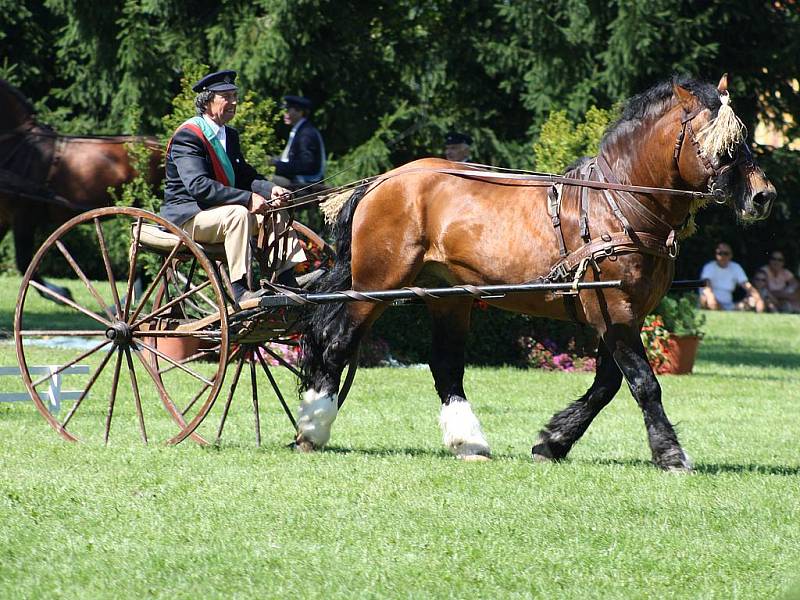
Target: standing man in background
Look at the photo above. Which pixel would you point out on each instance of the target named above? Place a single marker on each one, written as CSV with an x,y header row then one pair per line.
x,y
457,147
303,159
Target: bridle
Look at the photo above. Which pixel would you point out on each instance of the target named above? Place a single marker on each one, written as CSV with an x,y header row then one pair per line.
x,y
743,156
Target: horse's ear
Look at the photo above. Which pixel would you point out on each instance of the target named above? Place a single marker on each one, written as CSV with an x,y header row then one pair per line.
x,y
684,96
722,86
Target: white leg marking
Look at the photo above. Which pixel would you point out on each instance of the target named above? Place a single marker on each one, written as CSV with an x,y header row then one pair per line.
x,y
318,411
461,431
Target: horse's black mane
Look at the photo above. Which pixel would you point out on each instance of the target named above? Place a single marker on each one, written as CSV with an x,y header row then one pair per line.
x,y
655,101
18,95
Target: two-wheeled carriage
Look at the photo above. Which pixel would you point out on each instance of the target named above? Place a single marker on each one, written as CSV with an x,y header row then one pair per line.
x,y
174,337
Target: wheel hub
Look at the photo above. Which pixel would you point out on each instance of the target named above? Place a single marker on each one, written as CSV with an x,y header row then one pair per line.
x,y
120,333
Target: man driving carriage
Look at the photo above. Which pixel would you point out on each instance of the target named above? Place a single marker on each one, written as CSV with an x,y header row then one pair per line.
x,y
215,195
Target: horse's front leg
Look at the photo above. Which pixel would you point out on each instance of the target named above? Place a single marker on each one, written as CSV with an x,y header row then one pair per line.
x,y
461,431
629,353
566,427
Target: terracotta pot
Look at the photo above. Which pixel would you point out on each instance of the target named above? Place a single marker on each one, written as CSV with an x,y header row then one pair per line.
x,y
177,348
680,352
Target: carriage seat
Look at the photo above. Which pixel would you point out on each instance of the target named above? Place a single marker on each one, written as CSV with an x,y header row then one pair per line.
x,y
161,241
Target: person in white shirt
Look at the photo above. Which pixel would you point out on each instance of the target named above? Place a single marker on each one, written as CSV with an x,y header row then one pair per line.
x,y
722,276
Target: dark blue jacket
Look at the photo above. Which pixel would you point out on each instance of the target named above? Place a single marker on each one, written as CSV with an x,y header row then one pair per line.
x,y
305,154
190,185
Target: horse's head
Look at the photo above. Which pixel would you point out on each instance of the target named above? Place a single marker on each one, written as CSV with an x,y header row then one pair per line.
x,y
15,109
711,153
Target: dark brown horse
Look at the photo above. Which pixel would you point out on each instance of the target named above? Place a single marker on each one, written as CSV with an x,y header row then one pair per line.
x,y
419,225
48,178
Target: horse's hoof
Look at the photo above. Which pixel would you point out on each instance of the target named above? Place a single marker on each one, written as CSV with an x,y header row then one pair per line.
x,y
303,446
542,458
683,470
675,462
475,458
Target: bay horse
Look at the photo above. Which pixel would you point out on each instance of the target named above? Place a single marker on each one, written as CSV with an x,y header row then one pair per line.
x,y
433,221
46,177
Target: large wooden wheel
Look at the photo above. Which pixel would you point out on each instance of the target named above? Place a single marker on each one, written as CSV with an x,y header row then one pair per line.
x,y
123,334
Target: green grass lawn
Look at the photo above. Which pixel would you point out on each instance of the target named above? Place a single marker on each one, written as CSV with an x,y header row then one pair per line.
x,y
386,512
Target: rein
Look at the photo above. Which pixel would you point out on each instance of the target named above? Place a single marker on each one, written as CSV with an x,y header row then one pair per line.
x,y
534,179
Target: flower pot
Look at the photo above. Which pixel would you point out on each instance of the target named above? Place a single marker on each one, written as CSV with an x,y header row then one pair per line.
x,y
679,354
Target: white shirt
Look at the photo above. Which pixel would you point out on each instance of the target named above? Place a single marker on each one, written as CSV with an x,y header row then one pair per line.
x,y
724,281
285,154
219,132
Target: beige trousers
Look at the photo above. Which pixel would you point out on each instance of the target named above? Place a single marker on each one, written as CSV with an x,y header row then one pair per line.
x,y
233,226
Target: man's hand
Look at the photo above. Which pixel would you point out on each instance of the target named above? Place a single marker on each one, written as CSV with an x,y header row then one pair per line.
x,y
279,197
258,204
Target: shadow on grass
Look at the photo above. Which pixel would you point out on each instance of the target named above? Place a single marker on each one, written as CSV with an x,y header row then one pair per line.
x,y
709,468
735,352
58,318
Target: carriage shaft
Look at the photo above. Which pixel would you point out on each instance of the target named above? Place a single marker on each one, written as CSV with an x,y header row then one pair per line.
x,y
485,291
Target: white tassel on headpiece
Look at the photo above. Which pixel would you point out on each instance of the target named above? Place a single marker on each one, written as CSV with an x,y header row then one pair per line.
x,y
724,133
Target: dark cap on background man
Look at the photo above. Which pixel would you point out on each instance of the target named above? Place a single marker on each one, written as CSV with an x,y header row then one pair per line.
x,y
300,102
221,81
454,137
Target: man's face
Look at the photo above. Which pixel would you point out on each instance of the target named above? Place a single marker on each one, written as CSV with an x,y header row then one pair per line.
x,y
456,152
723,255
222,107
292,115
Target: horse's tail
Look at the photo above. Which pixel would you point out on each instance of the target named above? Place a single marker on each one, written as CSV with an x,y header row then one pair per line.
x,y
325,326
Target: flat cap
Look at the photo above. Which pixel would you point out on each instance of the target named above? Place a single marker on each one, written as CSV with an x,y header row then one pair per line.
x,y
454,137
297,102
221,81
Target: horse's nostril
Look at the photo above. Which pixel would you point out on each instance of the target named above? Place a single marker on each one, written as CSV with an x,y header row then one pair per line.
x,y
765,197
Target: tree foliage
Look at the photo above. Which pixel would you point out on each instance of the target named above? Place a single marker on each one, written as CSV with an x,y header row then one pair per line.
x,y
390,78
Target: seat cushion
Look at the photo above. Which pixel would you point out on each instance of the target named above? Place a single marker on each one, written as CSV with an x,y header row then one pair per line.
x,y
161,241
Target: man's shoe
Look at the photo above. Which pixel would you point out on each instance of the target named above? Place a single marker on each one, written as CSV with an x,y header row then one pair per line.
x,y
305,280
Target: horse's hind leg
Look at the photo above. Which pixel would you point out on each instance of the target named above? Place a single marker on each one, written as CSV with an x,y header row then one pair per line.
x,y
461,430
567,426
629,353
327,347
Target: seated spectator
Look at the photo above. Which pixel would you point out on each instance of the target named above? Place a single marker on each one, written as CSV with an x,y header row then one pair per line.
x,y
722,276
781,283
303,159
759,282
457,147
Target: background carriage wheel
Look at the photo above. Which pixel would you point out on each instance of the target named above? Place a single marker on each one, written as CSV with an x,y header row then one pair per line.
x,y
262,364
119,331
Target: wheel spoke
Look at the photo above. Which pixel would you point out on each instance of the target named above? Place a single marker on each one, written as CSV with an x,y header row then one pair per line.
x,y
154,283
69,302
66,366
281,360
136,398
275,388
134,253
254,386
173,361
82,276
88,387
195,399
62,332
113,398
107,262
230,396
185,361
170,304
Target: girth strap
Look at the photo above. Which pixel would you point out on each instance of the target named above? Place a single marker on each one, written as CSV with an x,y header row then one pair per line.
x,y
613,244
